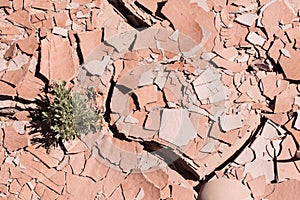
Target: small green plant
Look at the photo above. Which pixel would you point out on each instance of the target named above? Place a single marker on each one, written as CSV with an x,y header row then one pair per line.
x,y
69,115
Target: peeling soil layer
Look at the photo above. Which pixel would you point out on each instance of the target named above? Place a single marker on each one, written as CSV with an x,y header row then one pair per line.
x,y
200,98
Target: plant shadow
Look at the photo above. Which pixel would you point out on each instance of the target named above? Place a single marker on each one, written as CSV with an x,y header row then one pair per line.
x,y
42,136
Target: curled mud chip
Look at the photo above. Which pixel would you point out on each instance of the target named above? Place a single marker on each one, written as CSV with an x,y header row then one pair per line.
x,y
162,102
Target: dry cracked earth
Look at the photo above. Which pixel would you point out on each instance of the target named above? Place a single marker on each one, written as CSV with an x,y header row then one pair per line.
x,y
201,98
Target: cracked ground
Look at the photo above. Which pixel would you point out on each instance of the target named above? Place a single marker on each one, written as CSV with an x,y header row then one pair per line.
x,y
200,98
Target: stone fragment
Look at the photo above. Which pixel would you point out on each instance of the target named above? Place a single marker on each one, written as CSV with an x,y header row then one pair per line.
x,y
146,95
294,132
288,190
176,127
270,89
216,189
274,51
256,39
5,4
10,52
56,59
140,182
97,67
288,148
232,66
257,186
44,157
42,4
246,19
190,28
77,162
260,167
288,63
297,121
20,17
88,41
158,177
60,31
230,122
117,194
245,157
113,179
30,88
14,141
274,13
73,182
94,169
61,19
6,89
153,120
228,53
151,5
28,45
285,52
25,192
14,77
284,100
15,187
182,192
75,146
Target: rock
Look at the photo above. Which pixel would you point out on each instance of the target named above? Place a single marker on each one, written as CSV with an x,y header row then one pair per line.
x,y
6,89
287,190
245,157
113,179
88,41
77,187
20,17
57,62
176,127
146,95
10,52
5,4
150,5
41,154
60,31
97,67
42,4
294,132
289,64
285,99
28,45
275,12
153,120
77,162
257,186
183,14
61,19
217,189
297,121
182,192
230,122
260,167
228,53
15,187
25,192
14,141
141,183
94,169
256,39
14,77
30,88
246,19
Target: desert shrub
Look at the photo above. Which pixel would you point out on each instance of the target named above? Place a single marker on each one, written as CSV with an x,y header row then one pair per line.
x,y
70,114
